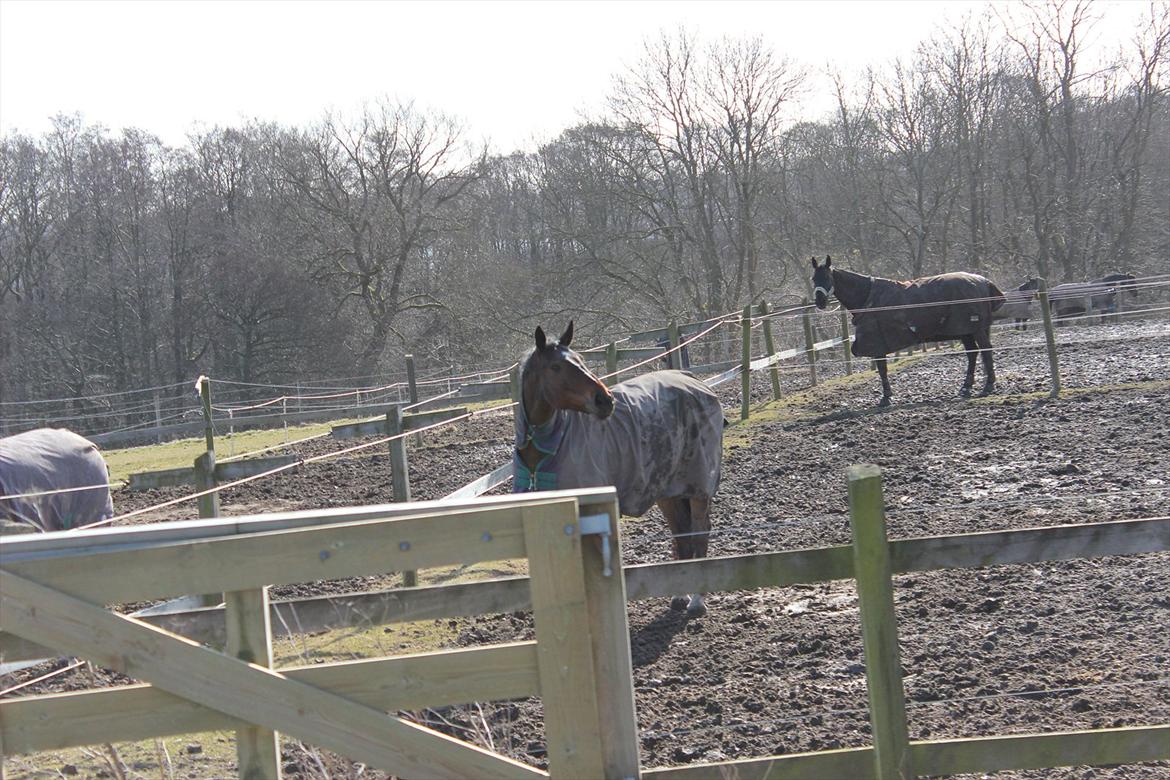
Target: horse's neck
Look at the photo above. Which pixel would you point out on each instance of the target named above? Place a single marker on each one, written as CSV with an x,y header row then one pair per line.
x,y
535,414
852,289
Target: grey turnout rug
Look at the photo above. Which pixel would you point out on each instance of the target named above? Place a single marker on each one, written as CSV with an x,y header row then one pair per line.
x,y
663,440
51,459
940,307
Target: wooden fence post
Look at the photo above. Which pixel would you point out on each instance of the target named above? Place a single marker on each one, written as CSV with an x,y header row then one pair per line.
x,y
676,353
879,630
770,346
611,360
413,387
1049,338
204,385
249,638
746,364
809,343
399,471
846,345
157,419
585,681
208,505
609,632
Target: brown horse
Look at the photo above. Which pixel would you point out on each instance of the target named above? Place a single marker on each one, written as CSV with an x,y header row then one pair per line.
x,y
657,438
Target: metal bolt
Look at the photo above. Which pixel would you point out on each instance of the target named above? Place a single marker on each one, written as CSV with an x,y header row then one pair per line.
x,y
569,529
404,546
487,537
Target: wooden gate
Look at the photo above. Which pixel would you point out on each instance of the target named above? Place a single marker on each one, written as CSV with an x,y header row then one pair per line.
x,y
53,590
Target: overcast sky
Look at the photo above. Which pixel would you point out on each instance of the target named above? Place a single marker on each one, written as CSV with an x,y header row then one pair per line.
x,y
512,71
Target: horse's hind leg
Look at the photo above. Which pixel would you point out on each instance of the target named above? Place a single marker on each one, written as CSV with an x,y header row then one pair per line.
x,y
983,338
883,373
700,517
687,543
972,348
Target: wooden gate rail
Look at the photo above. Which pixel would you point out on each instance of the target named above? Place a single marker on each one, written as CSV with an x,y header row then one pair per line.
x,y
53,597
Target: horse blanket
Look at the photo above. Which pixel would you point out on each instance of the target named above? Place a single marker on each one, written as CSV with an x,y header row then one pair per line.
x,y
1086,297
52,459
941,307
663,440
1017,305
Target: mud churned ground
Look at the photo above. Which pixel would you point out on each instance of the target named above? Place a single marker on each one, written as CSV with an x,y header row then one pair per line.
x,y
781,670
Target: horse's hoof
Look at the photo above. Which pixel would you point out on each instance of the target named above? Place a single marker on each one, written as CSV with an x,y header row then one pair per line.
x,y
965,392
989,390
696,609
885,401
679,603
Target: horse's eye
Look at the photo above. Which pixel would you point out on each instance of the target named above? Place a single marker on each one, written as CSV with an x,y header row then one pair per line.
x,y
555,366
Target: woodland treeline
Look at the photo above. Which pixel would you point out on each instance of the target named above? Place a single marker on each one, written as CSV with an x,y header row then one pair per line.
x,y
272,254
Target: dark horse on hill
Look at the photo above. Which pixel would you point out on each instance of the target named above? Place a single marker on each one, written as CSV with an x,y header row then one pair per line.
x,y
890,315
657,438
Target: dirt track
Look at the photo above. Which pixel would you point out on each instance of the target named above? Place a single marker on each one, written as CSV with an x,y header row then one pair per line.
x,y
780,671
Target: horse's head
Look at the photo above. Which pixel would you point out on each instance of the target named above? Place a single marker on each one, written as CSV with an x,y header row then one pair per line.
x,y
1032,286
555,375
822,280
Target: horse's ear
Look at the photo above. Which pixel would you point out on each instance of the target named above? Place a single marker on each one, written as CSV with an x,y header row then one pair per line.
x,y
828,261
567,336
813,260
540,340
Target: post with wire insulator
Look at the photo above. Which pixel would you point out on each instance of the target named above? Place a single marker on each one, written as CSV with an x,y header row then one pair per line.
x,y
770,346
1049,337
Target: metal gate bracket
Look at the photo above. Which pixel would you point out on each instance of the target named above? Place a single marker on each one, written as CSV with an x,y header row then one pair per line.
x,y
599,524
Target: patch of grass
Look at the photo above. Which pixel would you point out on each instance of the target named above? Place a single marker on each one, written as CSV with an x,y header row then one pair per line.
x,y
795,406
213,755
182,452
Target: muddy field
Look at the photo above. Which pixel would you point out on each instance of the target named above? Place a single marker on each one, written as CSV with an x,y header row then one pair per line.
x,y
781,670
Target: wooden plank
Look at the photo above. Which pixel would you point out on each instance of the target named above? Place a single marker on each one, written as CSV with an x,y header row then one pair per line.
x,y
852,763
251,693
486,391
710,575
249,638
739,572
1029,545
846,342
657,334
146,480
41,545
568,685
879,625
598,355
301,555
358,430
1098,747
953,756
33,723
489,481
376,426
609,630
238,469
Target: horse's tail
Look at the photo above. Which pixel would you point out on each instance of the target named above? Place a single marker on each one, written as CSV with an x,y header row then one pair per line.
x,y
996,295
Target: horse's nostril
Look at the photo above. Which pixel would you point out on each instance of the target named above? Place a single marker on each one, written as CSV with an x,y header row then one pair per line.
x,y
603,400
